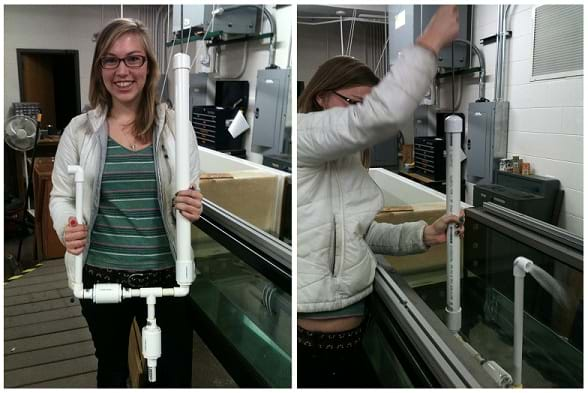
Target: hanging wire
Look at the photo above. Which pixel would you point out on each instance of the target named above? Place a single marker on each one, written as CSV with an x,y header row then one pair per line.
x,y
351,32
381,56
168,59
341,26
203,39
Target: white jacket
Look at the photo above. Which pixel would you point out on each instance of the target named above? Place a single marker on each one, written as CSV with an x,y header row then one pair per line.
x,y
338,200
84,143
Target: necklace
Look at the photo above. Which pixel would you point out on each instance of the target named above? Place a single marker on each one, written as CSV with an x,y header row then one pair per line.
x,y
132,145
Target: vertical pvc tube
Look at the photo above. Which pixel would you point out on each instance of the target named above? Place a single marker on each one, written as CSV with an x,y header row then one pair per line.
x,y
521,267
151,340
453,130
78,173
184,264
518,330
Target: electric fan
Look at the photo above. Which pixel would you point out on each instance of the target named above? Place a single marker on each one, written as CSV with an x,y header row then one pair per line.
x,y
21,133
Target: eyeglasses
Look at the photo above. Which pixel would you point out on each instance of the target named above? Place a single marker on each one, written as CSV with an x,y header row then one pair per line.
x,y
132,61
348,100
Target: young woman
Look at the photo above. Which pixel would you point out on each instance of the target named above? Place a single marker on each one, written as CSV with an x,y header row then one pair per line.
x,y
125,145
342,112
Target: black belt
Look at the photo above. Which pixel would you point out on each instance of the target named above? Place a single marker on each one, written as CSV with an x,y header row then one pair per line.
x,y
338,341
165,278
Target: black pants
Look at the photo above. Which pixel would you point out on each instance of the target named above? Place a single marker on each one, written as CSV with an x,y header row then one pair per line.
x,y
334,360
110,326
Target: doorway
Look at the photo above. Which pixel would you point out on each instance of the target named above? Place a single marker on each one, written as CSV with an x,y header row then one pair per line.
x,y
51,78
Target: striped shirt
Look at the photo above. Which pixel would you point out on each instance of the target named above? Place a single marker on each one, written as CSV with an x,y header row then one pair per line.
x,y
128,233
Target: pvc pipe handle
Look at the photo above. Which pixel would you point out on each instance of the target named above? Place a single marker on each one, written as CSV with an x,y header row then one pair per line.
x,y
184,263
453,131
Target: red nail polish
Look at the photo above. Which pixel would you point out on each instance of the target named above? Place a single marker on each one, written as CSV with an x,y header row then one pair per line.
x,y
72,222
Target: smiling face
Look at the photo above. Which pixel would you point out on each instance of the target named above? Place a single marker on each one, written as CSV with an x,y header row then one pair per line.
x,y
125,84
343,97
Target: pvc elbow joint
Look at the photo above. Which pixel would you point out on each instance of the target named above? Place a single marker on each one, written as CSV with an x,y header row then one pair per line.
x,y
77,171
522,266
181,291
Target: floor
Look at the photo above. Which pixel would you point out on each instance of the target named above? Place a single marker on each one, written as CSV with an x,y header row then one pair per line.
x,y
46,340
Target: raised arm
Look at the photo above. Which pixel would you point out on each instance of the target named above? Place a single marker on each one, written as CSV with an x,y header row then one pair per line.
x,y
333,133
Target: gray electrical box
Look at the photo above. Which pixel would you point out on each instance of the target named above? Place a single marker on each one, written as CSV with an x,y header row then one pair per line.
x,y
202,89
487,139
234,19
272,92
406,23
195,15
385,154
237,19
425,120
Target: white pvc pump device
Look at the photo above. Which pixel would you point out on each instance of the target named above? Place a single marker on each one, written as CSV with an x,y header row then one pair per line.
x,y
521,267
185,272
453,131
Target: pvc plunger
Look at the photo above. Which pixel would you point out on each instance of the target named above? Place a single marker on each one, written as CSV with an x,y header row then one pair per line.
x,y
185,271
453,130
521,267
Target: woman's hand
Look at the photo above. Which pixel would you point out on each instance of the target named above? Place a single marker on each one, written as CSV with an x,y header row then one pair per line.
x,y
441,30
75,236
436,233
189,203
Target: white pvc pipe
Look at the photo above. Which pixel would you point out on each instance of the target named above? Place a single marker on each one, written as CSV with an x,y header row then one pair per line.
x,y
521,267
184,264
151,339
453,130
78,173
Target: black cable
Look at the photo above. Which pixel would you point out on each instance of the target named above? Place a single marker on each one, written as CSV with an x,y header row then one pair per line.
x,y
452,80
182,28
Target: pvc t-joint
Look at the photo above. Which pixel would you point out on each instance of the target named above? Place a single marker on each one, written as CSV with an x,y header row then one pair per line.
x,y
77,171
522,266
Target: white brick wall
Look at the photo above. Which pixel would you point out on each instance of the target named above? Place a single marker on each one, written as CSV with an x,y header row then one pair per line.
x,y
546,117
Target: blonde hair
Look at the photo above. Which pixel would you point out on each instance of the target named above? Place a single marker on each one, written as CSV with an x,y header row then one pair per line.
x,y
339,72
100,97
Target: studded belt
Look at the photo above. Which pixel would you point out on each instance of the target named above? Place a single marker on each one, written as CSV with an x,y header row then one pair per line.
x,y
338,341
165,278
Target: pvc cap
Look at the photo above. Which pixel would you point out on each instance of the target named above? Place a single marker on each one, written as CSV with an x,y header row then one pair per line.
x,y
181,60
453,124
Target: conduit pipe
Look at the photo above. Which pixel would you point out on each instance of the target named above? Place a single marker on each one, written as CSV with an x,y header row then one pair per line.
x,y
482,61
115,293
453,130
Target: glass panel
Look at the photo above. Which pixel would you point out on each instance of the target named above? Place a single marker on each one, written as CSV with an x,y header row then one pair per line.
x,y
247,309
553,333
388,368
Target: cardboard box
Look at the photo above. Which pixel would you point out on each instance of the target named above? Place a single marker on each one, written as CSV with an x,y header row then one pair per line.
x,y
135,357
250,195
420,269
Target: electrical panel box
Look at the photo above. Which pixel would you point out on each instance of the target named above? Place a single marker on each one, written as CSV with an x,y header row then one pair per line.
x,y
407,22
385,154
233,19
272,94
202,89
487,139
237,19
194,16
